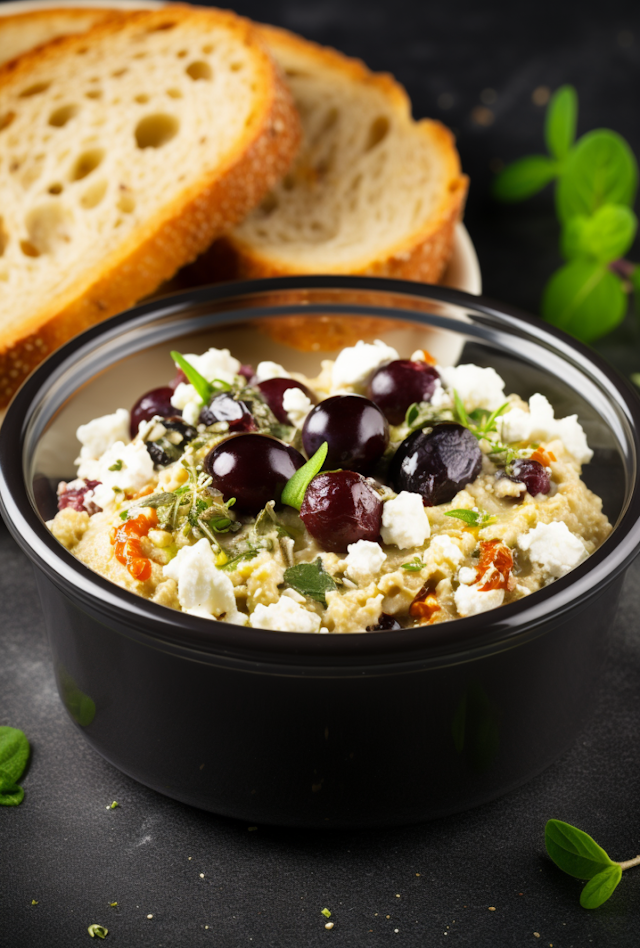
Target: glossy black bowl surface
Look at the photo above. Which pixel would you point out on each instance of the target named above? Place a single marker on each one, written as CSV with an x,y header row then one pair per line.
x,y
321,730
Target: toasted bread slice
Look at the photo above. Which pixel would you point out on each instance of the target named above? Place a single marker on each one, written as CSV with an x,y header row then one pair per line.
x,y
124,152
372,191
24,31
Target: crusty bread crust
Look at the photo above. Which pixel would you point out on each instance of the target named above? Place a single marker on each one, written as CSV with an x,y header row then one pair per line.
x,y
421,255
22,32
156,249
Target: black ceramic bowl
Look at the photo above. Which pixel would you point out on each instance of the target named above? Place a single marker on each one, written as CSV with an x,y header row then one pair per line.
x,y
312,730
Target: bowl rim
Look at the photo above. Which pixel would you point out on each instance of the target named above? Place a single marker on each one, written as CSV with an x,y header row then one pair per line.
x,y
501,628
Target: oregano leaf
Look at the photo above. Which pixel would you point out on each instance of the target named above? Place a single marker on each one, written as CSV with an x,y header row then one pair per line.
x,y
560,122
296,486
12,795
600,887
524,177
604,237
600,169
574,851
14,754
585,299
310,579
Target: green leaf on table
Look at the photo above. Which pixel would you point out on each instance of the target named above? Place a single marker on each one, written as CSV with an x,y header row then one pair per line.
x,y
14,754
600,169
296,486
585,299
574,851
560,122
600,887
605,236
310,579
524,177
11,795
203,388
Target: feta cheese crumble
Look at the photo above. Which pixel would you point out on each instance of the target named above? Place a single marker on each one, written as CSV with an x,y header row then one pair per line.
x,y
471,600
203,590
364,561
404,521
540,424
212,364
285,615
297,405
270,370
126,467
98,435
355,364
477,387
553,548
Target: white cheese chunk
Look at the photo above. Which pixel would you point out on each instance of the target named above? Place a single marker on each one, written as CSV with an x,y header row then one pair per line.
x,y
212,364
404,521
467,576
442,550
470,600
98,435
270,370
355,364
477,387
127,467
297,405
553,548
203,590
364,561
540,424
285,615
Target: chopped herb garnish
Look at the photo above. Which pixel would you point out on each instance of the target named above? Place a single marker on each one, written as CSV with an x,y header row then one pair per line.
x,y
116,466
326,913
113,805
98,931
414,565
475,518
124,514
34,901
204,389
577,854
240,558
480,421
296,486
310,579
421,414
14,754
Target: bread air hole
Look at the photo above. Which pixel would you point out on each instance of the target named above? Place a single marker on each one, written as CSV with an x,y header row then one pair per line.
x,y
208,49
94,194
6,120
35,89
199,70
378,130
87,162
154,131
126,204
142,99
47,228
174,93
55,189
64,114
120,72
94,94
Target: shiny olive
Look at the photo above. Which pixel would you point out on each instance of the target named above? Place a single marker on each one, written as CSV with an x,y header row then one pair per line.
x,y
340,508
253,468
436,462
354,428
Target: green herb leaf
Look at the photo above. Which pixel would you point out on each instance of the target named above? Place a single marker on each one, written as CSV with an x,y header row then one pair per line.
x,y
113,805
560,122
585,299
573,851
14,754
600,887
240,558
414,565
203,388
11,795
326,913
601,169
98,931
524,177
604,237
296,486
310,579
474,518
158,500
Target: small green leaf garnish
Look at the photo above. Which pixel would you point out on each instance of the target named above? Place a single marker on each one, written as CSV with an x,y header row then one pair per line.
x,y
117,466
113,805
414,565
577,854
475,518
204,389
124,514
240,558
296,486
310,579
326,913
98,931
14,754
561,121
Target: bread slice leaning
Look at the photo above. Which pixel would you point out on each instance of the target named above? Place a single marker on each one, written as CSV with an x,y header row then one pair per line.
x,y
124,152
21,32
371,192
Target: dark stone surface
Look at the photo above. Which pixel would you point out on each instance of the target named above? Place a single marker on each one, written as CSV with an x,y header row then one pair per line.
x,y
266,887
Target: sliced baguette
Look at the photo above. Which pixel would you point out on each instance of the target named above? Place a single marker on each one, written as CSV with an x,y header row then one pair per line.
x,y
21,32
124,152
372,191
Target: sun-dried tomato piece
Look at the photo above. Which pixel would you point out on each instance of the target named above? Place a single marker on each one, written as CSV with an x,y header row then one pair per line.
x,y
496,563
128,548
425,604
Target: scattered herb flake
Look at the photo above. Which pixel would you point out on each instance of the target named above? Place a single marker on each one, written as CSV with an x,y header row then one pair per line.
x,y
326,913
116,466
310,579
98,931
414,565
475,518
240,558
113,805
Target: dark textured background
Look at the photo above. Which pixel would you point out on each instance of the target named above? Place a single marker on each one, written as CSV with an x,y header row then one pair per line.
x,y
423,885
